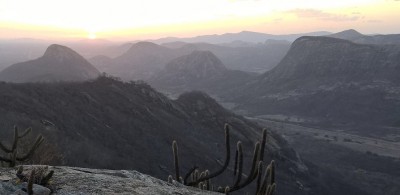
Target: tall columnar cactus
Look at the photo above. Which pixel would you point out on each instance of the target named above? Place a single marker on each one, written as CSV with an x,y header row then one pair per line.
x,y
265,182
12,152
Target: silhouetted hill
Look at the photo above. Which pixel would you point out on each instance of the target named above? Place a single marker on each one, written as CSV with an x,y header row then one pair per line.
x,y
327,80
200,70
354,36
58,63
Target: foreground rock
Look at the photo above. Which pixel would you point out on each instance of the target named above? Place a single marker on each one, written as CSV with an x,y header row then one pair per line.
x,y
73,180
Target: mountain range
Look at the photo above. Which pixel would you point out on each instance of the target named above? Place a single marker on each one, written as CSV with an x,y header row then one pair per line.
x,y
144,59
245,36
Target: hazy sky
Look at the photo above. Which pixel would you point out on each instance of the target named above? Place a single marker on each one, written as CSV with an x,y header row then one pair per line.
x,y
140,19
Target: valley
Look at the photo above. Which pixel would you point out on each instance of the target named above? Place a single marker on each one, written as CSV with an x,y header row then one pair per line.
x,y
369,163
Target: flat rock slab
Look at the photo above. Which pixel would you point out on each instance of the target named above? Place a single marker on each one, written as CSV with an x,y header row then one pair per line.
x,y
74,180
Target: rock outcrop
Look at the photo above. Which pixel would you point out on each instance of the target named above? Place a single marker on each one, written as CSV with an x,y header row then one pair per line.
x,y
74,180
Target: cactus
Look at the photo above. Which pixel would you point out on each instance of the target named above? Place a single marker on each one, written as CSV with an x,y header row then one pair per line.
x,y
12,151
265,183
30,182
176,159
170,179
223,168
268,184
38,175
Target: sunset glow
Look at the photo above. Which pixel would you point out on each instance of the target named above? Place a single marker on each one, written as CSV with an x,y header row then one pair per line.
x,y
130,19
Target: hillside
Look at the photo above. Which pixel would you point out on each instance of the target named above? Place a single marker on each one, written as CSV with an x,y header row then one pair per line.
x,y
328,81
114,125
58,63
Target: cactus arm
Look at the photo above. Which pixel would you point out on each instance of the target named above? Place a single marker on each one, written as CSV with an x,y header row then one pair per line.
x,y
191,171
227,159
26,132
236,163
240,163
38,142
15,142
30,182
272,172
260,168
253,170
47,178
263,142
176,159
4,148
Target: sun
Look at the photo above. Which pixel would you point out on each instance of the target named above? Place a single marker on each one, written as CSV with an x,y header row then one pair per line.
x,y
92,35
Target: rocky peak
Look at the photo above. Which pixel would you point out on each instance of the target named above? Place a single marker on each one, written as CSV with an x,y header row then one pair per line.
x,y
200,64
55,51
347,34
144,46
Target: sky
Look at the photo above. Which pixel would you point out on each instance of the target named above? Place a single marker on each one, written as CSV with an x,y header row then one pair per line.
x,y
147,19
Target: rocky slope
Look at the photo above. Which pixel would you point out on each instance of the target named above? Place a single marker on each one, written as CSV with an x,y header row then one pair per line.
x,y
75,180
327,80
58,63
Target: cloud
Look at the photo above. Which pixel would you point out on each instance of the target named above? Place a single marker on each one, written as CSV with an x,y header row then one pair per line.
x,y
321,15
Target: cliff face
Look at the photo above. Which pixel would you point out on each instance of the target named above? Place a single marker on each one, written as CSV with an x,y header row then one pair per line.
x,y
75,180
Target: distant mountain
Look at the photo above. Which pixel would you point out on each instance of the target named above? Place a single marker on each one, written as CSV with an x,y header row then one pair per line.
x,y
101,62
141,61
199,65
245,36
328,81
59,63
354,36
105,123
144,59
253,58
200,70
